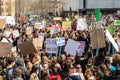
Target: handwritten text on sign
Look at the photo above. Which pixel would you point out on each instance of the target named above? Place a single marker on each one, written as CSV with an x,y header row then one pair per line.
x,y
51,45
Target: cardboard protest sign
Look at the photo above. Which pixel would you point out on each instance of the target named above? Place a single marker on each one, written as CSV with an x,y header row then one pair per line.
x,y
2,23
97,14
16,33
37,25
38,42
51,45
27,47
112,40
28,30
60,41
81,48
66,25
81,24
55,29
111,29
57,18
5,49
117,22
71,47
97,39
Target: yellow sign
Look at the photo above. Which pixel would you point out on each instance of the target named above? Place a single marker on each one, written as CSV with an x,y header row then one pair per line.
x,y
66,25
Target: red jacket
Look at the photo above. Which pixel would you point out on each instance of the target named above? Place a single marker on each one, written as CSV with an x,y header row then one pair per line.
x,y
55,76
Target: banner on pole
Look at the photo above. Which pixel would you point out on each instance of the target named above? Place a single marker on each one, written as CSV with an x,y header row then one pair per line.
x,y
112,40
97,14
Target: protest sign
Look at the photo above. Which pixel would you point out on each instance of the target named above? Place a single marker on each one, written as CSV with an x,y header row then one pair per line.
x,y
66,25
2,23
71,47
9,30
38,42
81,48
37,25
98,25
6,33
28,30
16,33
111,29
10,20
27,47
57,18
51,45
43,24
10,40
81,24
112,40
60,41
97,39
55,29
76,16
117,22
5,49
97,14
4,40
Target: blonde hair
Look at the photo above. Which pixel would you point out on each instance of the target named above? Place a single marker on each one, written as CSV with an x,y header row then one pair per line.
x,y
45,59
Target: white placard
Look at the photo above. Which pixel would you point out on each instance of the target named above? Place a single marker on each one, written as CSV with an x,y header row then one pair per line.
x,y
81,24
10,20
112,40
71,47
10,40
60,41
6,33
4,40
16,33
51,45
43,24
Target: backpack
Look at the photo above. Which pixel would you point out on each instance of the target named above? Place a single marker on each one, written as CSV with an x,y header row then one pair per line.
x,y
4,73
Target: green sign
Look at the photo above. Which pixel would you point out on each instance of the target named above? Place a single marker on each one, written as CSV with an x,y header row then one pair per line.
x,y
97,14
117,22
111,29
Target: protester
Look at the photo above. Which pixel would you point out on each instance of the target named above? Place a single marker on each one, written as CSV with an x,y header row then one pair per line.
x,y
47,62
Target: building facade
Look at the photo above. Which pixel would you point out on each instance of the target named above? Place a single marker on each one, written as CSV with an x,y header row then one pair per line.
x,y
87,6
7,8
38,7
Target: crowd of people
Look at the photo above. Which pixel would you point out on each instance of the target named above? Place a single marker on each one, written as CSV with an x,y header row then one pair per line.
x,y
104,65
